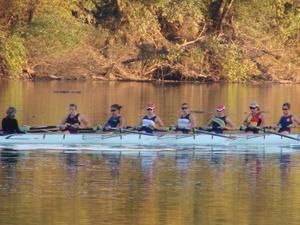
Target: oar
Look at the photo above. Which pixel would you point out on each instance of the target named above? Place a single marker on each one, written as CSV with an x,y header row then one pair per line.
x,y
281,135
37,129
41,127
206,112
214,134
161,129
43,130
224,129
200,112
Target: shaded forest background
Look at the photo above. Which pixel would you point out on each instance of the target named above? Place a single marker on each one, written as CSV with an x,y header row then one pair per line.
x,y
208,40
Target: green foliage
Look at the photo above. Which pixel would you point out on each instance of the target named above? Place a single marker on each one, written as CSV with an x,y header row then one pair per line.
x,y
290,30
235,67
176,11
53,30
142,21
252,30
52,34
260,18
14,53
255,17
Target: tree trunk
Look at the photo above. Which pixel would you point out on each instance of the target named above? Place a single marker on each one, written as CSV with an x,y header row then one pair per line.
x,y
31,10
226,9
215,11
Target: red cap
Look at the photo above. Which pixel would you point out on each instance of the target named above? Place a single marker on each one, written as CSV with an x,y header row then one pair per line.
x,y
220,108
150,106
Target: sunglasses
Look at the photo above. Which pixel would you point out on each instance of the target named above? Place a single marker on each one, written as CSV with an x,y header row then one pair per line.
x,y
285,109
113,110
183,108
149,109
252,107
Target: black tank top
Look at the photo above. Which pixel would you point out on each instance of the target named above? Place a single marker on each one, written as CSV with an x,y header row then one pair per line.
x,y
218,123
185,117
73,120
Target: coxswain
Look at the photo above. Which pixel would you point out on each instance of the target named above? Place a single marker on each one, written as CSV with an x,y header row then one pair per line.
x,y
186,121
74,120
150,121
286,121
115,120
10,123
220,122
255,120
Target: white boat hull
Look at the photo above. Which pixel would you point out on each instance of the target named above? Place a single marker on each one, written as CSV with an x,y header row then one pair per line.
x,y
136,139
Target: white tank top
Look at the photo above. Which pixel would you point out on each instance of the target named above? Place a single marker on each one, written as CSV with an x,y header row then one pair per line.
x,y
184,122
148,122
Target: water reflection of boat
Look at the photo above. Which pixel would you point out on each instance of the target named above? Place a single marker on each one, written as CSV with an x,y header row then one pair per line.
x,y
8,165
9,157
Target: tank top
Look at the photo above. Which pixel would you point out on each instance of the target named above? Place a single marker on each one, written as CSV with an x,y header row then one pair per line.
x,y
73,120
255,120
218,123
113,122
184,122
285,122
148,122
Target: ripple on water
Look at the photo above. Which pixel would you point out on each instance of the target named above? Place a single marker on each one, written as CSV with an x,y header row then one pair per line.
x,y
178,186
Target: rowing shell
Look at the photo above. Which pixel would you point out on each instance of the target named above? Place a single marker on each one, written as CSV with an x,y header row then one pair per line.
x,y
139,139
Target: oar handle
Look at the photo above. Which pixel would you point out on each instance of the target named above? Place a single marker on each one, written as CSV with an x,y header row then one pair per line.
x,y
43,127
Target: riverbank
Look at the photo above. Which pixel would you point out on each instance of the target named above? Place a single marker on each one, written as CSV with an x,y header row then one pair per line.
x,y
137,41
50,78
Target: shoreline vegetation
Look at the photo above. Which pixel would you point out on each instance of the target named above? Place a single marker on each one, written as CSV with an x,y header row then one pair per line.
x,y
151,40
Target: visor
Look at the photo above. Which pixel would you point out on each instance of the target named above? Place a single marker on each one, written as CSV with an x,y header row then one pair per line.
x,y
220,108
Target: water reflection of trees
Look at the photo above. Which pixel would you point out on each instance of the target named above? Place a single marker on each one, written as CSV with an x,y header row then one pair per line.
x,y
191,186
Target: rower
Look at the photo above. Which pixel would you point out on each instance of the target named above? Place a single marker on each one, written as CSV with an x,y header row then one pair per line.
x,y
220,121
150,120
186,121
74,120
115,120
286,121
10,123
255,119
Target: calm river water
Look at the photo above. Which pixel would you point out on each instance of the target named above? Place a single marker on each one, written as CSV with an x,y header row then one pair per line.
x,y
188,186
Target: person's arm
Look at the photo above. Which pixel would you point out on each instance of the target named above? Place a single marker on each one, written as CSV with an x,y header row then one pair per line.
x,y
122,122
16,125
230,124
296,119
141,122
84,121
62,124
159,122
262,124
278,125
246,120
193,121
208,124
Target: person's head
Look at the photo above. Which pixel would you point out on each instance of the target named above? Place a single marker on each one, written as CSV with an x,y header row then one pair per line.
x,y
220,109
150,108
185,108
11,112
286,108
254,107
73,109
115,109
